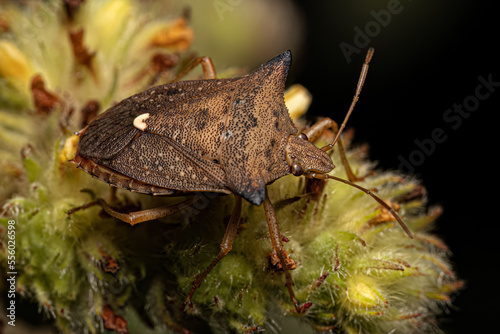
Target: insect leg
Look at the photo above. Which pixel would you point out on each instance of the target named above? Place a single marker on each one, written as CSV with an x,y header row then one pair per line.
x,y
327,123
225,247
137,217
275,235
145,215
206,64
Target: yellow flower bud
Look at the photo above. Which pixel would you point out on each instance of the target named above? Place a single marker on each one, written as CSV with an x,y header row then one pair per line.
x,y
177,36
69,150
14,66
297,100
106,23
362,292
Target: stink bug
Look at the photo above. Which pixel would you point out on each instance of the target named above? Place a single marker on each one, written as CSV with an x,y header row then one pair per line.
x,y
230,136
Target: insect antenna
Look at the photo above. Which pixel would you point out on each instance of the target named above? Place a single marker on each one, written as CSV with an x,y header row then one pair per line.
x,y
375,197
361,81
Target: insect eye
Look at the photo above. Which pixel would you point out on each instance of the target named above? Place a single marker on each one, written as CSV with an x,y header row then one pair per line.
x,y
297,170
303,136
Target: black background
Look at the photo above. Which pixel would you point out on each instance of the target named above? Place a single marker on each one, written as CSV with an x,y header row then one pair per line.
x,y
427,59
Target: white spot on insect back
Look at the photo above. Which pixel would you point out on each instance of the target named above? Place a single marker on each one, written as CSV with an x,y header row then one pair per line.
x,y
140,121
226,134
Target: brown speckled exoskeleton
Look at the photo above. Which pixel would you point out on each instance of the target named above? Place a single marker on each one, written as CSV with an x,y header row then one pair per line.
x,y
231,136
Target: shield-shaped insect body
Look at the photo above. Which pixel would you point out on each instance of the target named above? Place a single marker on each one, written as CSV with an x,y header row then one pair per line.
x,y
231,136
219,135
